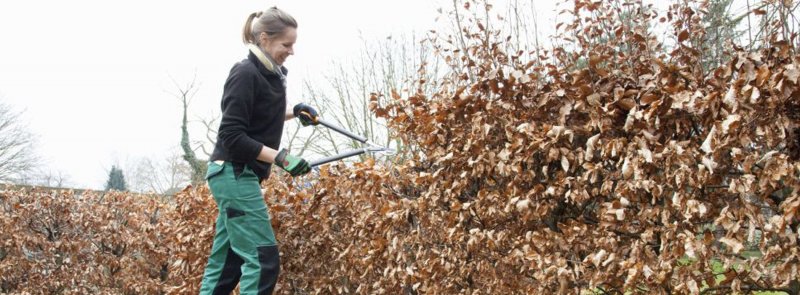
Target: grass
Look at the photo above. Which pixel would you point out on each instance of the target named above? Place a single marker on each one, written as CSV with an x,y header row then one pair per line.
x,y
717,267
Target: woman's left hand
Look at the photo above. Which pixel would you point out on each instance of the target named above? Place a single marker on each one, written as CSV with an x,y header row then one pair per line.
x,y
307,114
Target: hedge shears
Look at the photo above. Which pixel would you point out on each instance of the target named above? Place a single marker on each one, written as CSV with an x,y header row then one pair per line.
x,y
371,147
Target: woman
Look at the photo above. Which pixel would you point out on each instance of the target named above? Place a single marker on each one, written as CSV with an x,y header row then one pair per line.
x,y
253,112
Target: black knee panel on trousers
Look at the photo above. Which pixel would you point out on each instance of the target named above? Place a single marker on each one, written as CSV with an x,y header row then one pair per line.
x,y
231,272
268,257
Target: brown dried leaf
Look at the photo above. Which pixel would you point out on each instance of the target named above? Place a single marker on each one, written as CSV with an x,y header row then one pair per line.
x,y
683,36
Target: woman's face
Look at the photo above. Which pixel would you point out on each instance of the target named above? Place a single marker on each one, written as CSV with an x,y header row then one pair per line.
x,y
280,47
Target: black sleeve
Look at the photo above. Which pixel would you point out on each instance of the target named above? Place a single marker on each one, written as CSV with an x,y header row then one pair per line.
x,y
237,109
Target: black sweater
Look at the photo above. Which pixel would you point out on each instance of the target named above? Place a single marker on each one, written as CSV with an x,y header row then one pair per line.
x,y
253,112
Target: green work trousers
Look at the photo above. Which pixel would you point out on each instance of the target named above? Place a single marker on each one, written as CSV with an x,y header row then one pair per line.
x,y
245,250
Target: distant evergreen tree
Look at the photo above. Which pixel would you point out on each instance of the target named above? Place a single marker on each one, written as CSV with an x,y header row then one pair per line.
x,y
116,180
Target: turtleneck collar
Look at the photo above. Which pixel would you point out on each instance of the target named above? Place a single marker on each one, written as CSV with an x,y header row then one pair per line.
x,y
266,59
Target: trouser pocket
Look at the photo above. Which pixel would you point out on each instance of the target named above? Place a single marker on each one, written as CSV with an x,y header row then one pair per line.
x,y
241,202
248,223
214,169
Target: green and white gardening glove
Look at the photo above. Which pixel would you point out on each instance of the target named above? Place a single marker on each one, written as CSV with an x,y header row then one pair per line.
x,y
294,165
306,114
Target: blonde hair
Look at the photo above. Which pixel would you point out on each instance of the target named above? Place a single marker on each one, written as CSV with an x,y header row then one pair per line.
x,y
273,21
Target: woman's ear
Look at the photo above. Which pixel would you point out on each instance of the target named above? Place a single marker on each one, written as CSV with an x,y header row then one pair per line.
x,y
262,38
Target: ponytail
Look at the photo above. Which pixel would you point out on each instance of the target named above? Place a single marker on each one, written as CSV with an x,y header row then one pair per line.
x,y
273,21
247,33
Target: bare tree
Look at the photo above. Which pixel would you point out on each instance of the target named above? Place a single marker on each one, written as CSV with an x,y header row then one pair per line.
x,y
165,175
185,93
211,125
51,178
16,145
383,67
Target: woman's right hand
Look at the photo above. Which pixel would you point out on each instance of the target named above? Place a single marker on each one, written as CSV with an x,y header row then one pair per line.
x,y
294,165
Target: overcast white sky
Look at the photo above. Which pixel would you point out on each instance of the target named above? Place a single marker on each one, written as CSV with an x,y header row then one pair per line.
x,y
92,77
